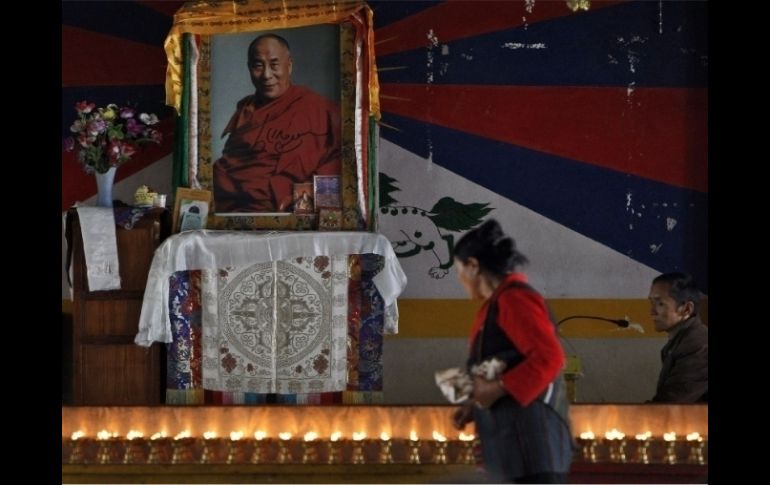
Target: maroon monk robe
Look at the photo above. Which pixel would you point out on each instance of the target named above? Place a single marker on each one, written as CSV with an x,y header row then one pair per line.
x,y
272,146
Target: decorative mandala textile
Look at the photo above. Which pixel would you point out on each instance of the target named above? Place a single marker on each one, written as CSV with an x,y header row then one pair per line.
x,y
276,327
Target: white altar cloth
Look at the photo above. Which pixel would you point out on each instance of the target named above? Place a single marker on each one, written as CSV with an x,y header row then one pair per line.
x,y
212,250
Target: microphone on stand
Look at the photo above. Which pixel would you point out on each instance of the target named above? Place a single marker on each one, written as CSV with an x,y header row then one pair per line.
x,y
620,322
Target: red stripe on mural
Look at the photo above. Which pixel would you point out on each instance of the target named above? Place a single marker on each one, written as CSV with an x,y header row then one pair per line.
x,y
93,59
165,7
78,185
657,133
457,20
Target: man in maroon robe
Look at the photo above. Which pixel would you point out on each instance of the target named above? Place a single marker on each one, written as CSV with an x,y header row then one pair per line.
x,y
281,135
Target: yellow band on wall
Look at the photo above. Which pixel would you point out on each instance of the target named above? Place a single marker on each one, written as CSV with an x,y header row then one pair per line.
x,y
453,317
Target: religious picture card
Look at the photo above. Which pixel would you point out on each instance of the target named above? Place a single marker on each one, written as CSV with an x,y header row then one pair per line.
x,y
303,198
327,191
330,219
191,209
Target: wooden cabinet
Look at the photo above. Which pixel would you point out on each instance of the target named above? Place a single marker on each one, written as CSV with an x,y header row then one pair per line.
x,y
108,368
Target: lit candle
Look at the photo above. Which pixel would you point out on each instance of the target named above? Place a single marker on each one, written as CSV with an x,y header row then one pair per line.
x,y
209,435
644,436
671,436
184,434
159,435
285,436
259,435
466,437
105,435
236,435
359,436
132,434
335,436
77,435
694,436
384,436
310,436
413,435
614,434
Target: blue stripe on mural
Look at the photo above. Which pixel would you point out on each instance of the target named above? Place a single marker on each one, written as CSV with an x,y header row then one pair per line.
x,y
613,46
128,20
389,11
656,224
147,98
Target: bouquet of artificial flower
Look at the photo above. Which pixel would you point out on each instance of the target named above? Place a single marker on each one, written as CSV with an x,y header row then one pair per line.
x,y
108,137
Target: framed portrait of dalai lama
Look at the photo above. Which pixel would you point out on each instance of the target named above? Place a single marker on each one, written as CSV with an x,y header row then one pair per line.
x,y
276,106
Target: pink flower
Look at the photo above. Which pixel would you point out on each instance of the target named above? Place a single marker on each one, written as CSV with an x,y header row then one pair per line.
x,y
108,137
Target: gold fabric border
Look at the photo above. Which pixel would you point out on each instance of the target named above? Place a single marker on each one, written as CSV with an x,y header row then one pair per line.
x,y
228,17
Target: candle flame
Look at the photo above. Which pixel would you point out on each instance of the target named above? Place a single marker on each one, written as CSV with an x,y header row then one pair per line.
x,y
335,436
183,434
671,436
358,436
158,435
103,435
587,435
438,436
413,435
614,434
694,436
209,435
285,435
236,435
259,435
133,434
644,436
466,437
311,436
384,436
77,435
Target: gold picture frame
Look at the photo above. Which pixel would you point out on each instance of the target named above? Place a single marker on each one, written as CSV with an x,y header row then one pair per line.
x,y
200,27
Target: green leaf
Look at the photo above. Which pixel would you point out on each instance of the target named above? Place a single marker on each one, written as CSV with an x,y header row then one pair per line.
x,y
455,216
387,185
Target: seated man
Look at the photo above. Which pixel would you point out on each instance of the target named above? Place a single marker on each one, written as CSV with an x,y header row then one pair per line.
x,y
684,377
281,135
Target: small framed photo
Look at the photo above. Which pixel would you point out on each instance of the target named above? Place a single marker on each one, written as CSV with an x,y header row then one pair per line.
x,y
191,209
327,191
303,198
329,219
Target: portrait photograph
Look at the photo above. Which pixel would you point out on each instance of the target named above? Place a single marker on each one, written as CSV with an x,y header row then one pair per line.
x,y
275,116
303,198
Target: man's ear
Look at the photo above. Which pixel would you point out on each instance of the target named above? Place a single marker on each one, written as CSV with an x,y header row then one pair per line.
x,y
687,309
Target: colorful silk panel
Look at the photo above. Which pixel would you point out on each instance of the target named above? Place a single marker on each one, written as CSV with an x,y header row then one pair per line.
x,y
365,321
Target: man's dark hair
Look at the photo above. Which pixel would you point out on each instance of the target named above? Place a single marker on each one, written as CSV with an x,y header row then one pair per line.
x,y
254,42
682,288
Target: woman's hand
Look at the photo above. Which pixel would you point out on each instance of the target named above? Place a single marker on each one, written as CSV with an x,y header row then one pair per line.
x,y
487,392
463,415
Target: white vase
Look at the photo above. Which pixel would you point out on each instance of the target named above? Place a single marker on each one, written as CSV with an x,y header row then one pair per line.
x,y
104,183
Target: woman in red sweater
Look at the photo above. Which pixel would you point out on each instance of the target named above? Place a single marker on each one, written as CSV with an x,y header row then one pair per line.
x,y
521,414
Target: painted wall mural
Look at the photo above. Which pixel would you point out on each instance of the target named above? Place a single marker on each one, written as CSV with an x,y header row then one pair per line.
x,y
428,230
595,120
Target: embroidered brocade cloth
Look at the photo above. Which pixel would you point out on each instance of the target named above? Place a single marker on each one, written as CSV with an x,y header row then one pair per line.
x,y
305,329
276,327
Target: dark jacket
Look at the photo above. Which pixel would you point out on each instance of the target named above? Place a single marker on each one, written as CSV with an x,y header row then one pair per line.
x,y
684,377
526,432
